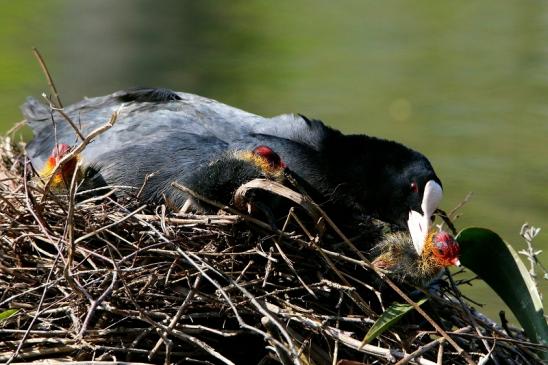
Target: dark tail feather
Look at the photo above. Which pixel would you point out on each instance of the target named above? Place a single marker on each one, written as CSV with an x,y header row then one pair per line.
x,y
140,95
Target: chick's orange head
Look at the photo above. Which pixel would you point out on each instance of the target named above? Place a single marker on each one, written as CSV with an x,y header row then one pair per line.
x,y
63,174
446,249
270,157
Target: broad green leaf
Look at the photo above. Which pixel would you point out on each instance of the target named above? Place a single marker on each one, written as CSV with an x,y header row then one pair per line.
x,y
389,318
8,313
499,265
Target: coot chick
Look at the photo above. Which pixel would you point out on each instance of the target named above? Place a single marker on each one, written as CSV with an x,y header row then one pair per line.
x,y
397,255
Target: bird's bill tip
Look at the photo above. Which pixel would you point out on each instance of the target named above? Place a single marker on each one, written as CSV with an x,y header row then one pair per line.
x,y
418,229
456,262
382,264
431,198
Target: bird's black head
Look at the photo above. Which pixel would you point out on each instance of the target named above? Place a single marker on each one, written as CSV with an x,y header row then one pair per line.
x,y
406,182
389,180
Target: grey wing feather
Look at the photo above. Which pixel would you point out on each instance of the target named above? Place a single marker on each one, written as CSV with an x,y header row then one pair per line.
x,y
145,121
295,128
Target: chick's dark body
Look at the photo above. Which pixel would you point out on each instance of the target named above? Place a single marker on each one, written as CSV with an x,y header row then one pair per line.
x,y
179,137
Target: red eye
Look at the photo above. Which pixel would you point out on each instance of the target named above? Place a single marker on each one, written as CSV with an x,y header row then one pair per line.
x,y
414,187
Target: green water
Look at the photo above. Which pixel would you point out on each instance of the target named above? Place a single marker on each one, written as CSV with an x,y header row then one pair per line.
x,y
464,82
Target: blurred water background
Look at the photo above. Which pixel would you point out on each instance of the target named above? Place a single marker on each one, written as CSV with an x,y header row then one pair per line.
x,y
464,82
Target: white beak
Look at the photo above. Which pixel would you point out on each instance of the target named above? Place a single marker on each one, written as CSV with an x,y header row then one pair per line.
x,y
418,224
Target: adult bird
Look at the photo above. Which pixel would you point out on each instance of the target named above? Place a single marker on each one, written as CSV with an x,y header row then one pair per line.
x,y
174,136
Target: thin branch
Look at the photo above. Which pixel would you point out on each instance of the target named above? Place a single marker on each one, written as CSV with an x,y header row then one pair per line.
x,y
48,76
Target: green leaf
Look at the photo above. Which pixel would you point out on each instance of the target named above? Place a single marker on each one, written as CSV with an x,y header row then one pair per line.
x,y
7,313
389,318
498,264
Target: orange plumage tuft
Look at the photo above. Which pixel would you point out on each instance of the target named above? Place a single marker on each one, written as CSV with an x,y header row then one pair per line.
x,y
268,161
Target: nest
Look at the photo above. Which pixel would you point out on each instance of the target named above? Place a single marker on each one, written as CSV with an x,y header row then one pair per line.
x,y
107,279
